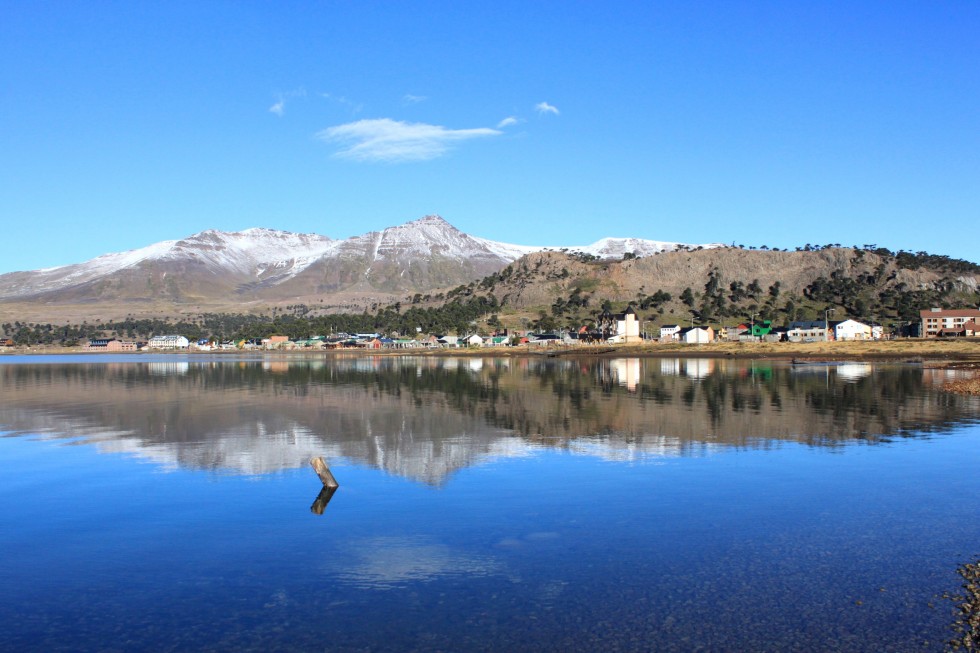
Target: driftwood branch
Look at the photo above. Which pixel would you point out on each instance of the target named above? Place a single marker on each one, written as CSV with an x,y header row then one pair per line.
x,y
330,485
323,472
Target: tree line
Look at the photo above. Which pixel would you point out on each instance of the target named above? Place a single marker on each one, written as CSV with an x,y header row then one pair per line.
x,y
456,316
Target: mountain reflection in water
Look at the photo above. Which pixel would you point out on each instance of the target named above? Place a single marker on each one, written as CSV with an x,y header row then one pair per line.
x,y
424,418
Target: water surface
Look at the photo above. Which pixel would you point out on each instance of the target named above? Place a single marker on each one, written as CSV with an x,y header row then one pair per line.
x,y
163,503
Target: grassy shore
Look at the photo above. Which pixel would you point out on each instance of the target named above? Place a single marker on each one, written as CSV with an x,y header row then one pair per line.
x,y
958,353
954,352
917,349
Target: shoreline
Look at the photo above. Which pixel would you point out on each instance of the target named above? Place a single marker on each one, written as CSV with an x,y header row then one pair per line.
x,y
959,353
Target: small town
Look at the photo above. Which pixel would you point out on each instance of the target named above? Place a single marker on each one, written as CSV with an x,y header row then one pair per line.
x,y
609,329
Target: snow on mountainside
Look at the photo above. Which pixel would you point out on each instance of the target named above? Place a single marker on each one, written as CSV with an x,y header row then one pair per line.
x,y
433,231
15,284
617,247
429,236
421,255
253,251
425,251
249,252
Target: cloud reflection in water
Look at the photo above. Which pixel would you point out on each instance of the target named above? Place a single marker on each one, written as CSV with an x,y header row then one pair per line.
x,y
384,563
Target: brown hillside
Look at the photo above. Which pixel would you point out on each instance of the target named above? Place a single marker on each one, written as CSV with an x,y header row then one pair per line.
x,y
541,276
538,279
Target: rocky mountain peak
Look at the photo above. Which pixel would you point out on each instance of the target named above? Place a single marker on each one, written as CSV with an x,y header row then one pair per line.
x,y
265,265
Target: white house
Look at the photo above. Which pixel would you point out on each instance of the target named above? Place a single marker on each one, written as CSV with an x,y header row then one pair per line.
x,y
806,331
545,339
852,330
669,332
699,335
474,340
168,342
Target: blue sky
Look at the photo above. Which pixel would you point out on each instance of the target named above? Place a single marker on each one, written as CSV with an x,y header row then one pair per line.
x,y
542,123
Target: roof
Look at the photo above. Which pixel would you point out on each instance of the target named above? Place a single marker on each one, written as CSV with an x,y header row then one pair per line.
x,y
953,312
689,329
629,310
607,315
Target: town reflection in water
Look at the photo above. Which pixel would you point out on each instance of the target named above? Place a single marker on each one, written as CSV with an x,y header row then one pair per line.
x,y
424,418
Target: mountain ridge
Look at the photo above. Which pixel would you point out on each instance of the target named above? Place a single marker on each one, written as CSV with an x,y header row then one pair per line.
x,y
429,265
264,264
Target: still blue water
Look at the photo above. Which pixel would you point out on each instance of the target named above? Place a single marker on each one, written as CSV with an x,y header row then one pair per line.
x,y
521,505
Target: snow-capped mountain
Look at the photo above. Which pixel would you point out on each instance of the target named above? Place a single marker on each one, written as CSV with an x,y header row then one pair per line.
x,y
411,250
266,264
258,252
617,247
433,235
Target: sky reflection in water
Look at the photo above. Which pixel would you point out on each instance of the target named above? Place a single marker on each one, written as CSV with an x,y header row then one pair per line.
x,y
512,505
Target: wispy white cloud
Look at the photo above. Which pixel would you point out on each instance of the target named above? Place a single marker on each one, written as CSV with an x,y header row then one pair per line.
x,y
507,122
544,107
389,140
354,107
279,108
413,99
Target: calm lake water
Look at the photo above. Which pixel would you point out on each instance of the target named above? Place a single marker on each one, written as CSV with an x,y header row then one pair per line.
x,y
164,504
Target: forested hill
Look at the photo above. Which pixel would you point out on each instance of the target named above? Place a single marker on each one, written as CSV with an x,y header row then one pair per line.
x,y
726,284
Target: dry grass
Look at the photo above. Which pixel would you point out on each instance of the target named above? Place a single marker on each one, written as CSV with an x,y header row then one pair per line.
x,y
963,353
964,386
933,352
919,349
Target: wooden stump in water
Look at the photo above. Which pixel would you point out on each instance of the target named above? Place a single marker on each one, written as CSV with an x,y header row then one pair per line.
x,y
323,472
330,485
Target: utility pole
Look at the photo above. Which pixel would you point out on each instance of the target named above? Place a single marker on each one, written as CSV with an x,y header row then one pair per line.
x,y
826,323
